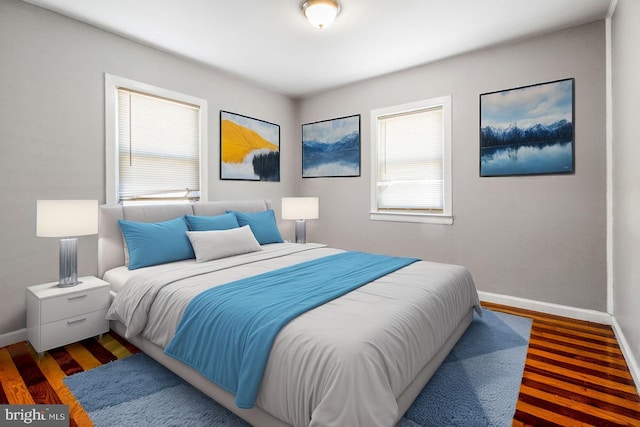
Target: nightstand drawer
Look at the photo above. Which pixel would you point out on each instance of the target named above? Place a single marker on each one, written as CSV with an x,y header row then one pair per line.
x,y
73,329
70,305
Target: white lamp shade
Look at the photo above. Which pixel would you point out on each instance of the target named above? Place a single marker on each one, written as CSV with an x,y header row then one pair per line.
x,y
65,218
321,13
300,208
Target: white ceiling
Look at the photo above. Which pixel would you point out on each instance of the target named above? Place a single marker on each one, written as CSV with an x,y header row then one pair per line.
x,y
269,42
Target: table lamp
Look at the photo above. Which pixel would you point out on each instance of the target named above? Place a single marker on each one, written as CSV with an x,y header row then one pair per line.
x,y
300,209
67,219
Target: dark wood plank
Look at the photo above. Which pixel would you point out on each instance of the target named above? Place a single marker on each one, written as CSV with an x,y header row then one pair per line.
x,y
34,379
98,351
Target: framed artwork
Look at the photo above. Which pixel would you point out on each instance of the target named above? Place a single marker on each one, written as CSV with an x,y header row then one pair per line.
x,y
331,148
249,148
528,130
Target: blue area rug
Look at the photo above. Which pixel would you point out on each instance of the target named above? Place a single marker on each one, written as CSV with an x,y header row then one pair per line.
x,y
477,385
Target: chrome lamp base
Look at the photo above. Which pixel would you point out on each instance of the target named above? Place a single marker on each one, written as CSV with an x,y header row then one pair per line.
x,y
68,267
301,231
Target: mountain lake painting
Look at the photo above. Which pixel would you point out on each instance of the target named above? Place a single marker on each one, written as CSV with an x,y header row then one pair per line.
x,y
249,148
528,130
331,148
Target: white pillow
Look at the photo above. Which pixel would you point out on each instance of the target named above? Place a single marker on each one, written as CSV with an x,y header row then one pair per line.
x,y
215,244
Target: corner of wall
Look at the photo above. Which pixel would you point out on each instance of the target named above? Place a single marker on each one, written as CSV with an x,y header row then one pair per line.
x,y
632,363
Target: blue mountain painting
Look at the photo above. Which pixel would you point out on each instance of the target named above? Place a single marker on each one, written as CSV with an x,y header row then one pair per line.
x,y
340,158
560,131
537,149
527,130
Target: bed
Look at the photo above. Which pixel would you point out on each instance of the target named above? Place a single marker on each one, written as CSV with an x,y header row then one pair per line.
x,y
357,360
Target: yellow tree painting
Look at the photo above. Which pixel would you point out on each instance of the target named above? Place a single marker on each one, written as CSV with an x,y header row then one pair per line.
x,y
249,148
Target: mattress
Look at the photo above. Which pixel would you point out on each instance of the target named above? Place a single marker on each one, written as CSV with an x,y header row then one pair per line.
x,y
344,363
119,276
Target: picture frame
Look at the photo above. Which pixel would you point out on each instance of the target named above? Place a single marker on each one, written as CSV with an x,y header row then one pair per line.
x,y
331,148
528,130
249,148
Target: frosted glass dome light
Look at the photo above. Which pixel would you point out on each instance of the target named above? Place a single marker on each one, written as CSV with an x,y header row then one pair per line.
x,y
321,13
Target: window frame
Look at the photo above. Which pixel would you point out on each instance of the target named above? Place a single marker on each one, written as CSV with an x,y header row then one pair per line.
x,y
111,85
446,216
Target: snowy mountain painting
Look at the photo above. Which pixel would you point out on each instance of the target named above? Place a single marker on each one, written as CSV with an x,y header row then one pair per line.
x,y
331,148
527,130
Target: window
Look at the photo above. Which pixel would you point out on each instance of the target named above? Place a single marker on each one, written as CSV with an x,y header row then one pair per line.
x,y
155,144
411,162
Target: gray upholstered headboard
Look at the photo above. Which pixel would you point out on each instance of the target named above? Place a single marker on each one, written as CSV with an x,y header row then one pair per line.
x,y
111,245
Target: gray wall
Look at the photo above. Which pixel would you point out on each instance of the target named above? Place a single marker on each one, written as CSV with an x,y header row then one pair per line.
x,y
626,174
543,237
534,237
52,132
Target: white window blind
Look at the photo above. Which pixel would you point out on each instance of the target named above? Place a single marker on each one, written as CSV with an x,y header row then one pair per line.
x,y
411,161
158,148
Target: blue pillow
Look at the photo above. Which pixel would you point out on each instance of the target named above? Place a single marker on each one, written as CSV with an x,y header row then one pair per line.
x,y
152,243
207,223
263,225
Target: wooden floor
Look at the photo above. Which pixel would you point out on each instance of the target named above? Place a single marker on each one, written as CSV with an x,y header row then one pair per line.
x,y
575,374
27,379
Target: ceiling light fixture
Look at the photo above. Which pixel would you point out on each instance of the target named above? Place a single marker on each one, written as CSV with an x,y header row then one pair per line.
x,y
321,13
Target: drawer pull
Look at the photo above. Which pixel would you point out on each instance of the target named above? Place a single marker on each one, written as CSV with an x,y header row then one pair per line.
x,y
77,297
71,322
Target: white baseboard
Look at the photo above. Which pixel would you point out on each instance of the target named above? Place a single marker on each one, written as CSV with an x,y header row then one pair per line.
x,y
13,337
628,354
547,307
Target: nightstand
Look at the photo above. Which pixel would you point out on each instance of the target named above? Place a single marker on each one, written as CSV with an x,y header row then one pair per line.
x,y
59,316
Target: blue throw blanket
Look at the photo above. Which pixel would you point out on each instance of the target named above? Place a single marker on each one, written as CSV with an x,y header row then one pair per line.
x,y
226,332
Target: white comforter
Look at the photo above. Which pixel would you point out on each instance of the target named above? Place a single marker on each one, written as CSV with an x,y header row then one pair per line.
x,y
341,364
